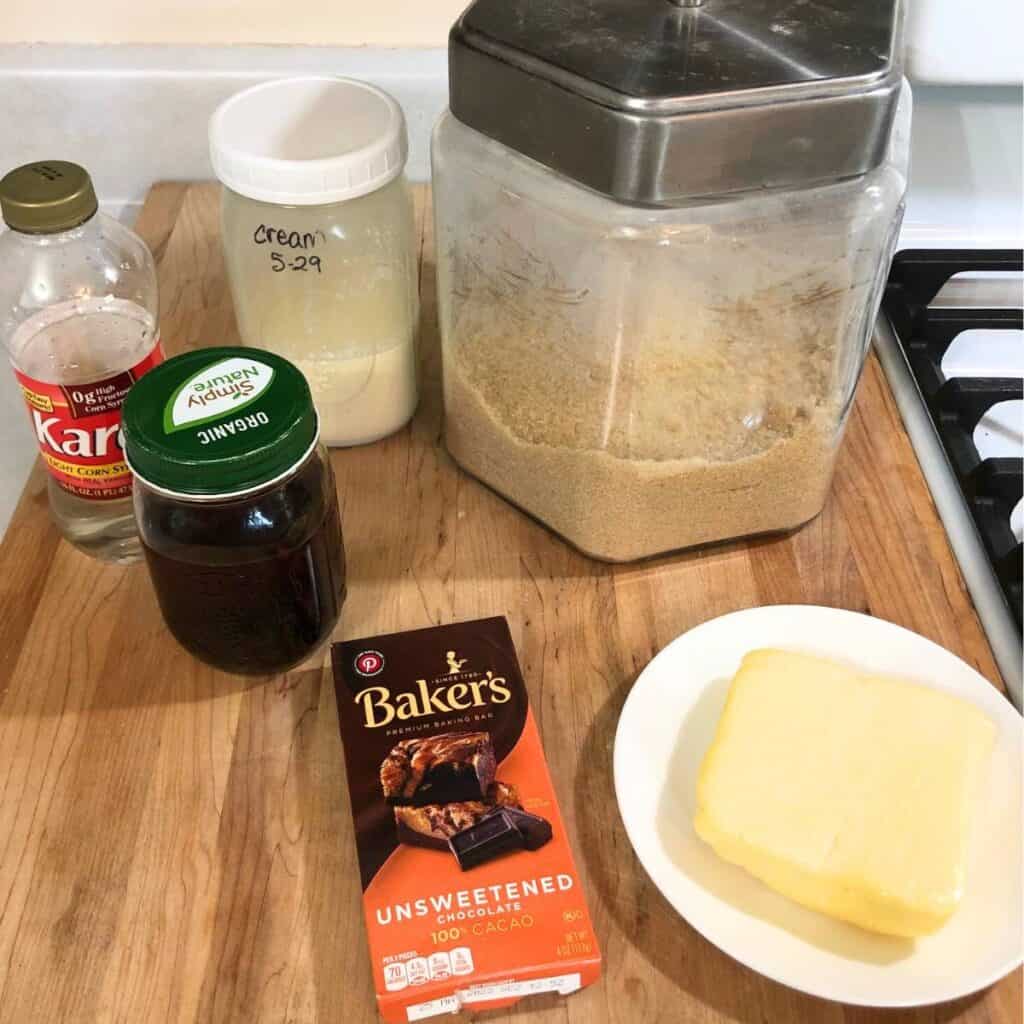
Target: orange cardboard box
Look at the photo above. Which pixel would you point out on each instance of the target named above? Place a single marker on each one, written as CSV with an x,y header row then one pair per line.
x,y
470,891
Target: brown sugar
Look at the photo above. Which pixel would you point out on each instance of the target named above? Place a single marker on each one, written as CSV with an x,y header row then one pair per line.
x,y
675,445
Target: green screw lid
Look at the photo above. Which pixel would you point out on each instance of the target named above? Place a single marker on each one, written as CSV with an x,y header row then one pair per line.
x,y
218,421
46,197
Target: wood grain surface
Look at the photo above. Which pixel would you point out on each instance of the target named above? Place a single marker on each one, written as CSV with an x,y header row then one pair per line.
x,y
175,843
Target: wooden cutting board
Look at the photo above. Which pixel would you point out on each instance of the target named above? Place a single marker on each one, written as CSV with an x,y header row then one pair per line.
x,y
175,843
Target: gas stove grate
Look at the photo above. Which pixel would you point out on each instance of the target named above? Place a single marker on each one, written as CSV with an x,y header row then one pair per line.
x,y
991,487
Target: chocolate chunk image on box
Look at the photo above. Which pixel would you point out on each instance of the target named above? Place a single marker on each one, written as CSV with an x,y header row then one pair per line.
x,y
492,836
451,766
536,831
434,824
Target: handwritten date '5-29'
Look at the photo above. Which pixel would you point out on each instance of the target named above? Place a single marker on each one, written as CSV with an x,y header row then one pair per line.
x,y
279,263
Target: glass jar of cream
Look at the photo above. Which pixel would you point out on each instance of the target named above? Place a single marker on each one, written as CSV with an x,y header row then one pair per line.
x,y
320,244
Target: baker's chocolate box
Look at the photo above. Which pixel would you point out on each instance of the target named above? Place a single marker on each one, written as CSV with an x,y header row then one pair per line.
x,y
470,891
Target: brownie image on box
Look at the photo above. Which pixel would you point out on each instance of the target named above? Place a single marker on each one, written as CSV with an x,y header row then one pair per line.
x,y
439,769
434,824
443,792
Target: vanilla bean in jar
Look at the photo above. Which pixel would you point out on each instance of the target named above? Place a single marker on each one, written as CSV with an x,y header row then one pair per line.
x,y
237,508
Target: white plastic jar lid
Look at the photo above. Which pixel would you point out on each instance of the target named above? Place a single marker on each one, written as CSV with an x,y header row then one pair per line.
x,y
307,141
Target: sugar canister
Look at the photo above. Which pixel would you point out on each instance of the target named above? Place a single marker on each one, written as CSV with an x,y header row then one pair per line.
x,y
662,232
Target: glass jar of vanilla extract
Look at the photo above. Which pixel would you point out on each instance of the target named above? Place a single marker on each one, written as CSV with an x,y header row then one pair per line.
x,y
236,507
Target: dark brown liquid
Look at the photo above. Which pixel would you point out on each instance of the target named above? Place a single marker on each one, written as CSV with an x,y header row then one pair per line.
x,y
252,586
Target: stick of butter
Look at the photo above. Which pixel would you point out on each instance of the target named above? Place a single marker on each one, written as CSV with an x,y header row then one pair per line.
x,y
846,792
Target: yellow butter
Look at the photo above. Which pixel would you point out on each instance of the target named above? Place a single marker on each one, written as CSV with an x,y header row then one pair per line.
x,y
846,792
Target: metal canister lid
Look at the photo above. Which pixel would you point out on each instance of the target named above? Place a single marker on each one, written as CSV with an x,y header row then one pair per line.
x,y
647,101
45,197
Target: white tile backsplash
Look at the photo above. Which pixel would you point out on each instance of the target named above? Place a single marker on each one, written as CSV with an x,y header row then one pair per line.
x,y
137,114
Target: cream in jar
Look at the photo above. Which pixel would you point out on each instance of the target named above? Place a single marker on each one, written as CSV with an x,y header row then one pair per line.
x,y
319,241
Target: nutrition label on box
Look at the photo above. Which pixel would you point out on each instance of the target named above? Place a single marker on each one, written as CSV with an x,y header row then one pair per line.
x,y
418,970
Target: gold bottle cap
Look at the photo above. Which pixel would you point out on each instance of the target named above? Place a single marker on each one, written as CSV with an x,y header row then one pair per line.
x,y
46,197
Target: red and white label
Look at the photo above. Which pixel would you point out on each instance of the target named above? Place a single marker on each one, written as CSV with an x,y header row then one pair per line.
x,y
78,427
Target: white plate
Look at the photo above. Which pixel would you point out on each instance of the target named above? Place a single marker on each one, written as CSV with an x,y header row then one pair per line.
x,y
667,725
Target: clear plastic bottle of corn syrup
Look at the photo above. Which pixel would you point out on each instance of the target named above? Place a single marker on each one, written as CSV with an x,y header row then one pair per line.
x,y
78,316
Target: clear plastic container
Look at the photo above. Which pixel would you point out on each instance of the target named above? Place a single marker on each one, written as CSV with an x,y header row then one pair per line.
x,y
320,244
78,316
641,378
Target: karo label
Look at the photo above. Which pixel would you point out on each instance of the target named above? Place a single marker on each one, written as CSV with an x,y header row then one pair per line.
x,y
221,388
78,427
102,396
